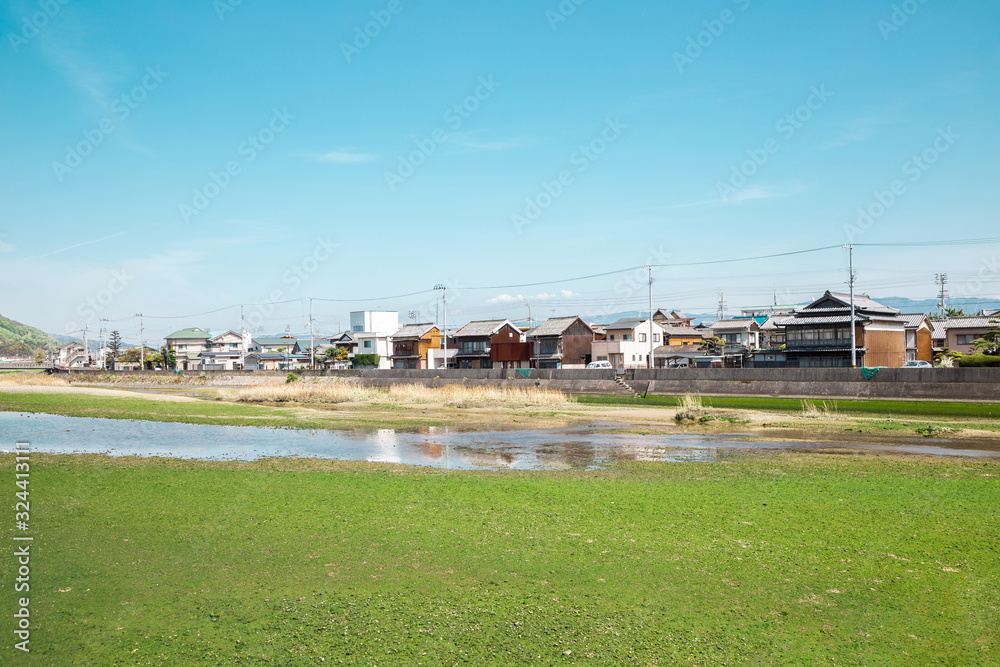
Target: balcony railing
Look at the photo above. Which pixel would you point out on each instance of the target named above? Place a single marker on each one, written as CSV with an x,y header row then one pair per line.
x,y
813,344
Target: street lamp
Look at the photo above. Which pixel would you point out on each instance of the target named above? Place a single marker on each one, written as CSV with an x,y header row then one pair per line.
x,y
444,291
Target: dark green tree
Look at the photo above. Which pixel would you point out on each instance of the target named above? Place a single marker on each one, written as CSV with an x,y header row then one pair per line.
x,y
115,347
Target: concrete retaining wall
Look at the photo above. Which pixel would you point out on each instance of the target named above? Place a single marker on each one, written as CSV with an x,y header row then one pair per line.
x,y
967,384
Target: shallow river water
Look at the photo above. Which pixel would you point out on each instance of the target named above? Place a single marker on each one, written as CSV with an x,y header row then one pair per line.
x,y
549,449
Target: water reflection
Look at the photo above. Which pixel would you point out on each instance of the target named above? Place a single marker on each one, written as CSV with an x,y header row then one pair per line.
x,y
563,449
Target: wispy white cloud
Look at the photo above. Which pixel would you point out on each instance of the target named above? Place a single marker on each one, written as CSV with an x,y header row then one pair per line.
x,y
344,157
856,130
762,192
544,296
82,243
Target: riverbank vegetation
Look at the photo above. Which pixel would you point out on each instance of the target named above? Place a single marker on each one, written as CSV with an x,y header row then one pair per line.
x,y
779,560
452,395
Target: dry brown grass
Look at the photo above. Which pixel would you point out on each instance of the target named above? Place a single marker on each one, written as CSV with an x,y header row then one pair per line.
x,y
309,392
32,379
450,395
466,396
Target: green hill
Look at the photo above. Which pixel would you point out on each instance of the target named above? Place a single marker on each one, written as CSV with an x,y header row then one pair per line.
x,y
18,339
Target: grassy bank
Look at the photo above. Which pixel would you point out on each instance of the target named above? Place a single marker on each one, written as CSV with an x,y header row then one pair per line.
x,y
784,560
204,412
792,405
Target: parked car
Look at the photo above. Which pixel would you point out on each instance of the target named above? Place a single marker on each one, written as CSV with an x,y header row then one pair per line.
x,y
918,364
599,364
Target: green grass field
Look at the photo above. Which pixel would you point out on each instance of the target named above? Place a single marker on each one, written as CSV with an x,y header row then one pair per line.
x,y
860,407
782,560
191,412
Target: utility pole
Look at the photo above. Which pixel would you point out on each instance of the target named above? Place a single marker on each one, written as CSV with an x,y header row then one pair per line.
x,y
86,346
444,332
142,345
722,305
650,364
850,282
531,322
942,279
100,352
243,342
312,352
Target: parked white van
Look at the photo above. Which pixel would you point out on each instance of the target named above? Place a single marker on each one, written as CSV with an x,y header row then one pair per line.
x,y
599,364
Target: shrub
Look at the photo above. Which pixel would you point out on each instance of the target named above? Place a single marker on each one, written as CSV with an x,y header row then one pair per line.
x,y
979,361
291,377
366,359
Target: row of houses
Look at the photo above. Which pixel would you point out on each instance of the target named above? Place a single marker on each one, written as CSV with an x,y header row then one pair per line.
x,y
816,335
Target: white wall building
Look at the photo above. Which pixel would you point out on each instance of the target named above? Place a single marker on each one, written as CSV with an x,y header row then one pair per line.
x,y
628,342
372,331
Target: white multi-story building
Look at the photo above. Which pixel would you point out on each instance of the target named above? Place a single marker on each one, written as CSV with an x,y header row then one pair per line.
x,y
627,344
372,332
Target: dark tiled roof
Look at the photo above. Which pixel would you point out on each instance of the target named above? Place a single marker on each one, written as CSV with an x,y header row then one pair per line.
x,y
480,328
554,326
971,322
414,330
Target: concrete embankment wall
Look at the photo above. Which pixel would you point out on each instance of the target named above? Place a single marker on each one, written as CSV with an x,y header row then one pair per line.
x,y
965,384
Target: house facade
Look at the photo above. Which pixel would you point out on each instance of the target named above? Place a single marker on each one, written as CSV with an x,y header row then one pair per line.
x,y
491,344
960,332
411,345
187,346
561,342
684,335
628,342
72,355
919,337
819,335
741,336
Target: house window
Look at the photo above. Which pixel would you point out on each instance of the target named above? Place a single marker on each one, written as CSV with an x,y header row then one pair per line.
x,y
368,344
656,338
642,338
357,327
627,337
548,347
611,337
965,339
182,347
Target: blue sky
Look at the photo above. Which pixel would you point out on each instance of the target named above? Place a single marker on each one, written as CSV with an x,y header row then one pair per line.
x,y
228,146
